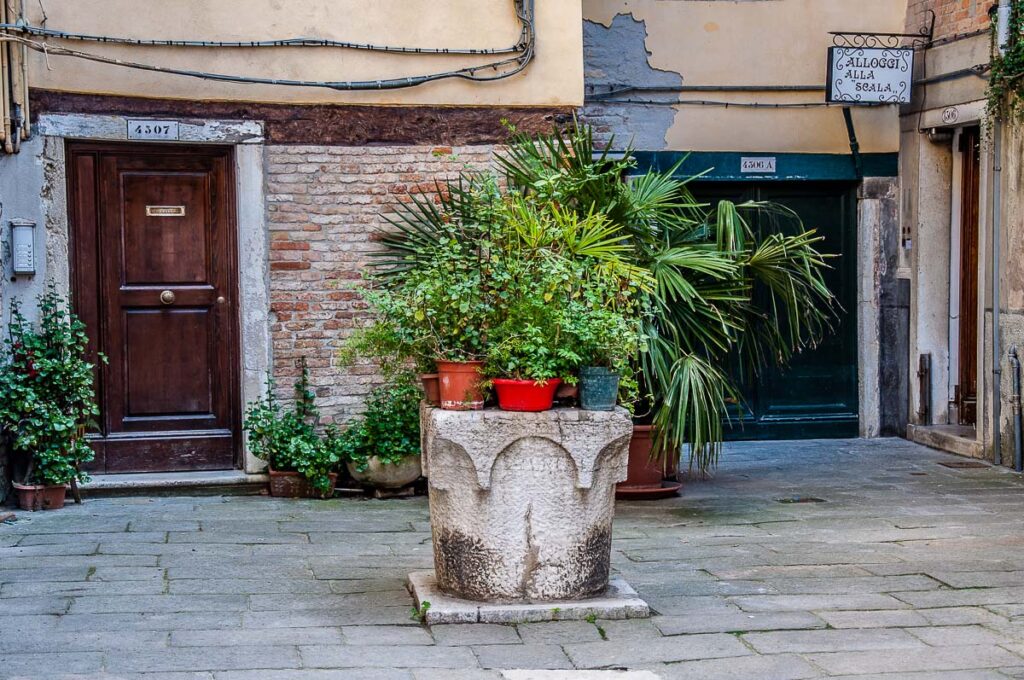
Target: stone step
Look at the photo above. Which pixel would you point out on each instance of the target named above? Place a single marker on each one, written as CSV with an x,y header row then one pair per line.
x,y
216,482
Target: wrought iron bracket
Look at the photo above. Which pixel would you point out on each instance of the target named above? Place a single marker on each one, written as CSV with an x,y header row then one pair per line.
x,y
892,41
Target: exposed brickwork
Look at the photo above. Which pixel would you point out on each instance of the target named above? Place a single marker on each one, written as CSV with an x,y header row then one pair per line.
x,y
324,203
952,17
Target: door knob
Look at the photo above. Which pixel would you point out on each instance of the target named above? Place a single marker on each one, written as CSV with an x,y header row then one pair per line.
x,y
221,300
167,297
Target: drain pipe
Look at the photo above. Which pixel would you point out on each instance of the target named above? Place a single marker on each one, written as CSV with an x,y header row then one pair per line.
x,y
1018,430
1002,43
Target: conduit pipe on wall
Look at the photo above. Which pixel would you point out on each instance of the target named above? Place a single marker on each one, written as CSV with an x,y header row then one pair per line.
x,y
1002,43
1018,425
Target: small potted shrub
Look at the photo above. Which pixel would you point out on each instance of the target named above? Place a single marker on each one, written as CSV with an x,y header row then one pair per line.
x,y
382,447
608,339
47,402
302,462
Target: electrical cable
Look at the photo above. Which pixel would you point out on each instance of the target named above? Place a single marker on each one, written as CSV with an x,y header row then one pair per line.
x,y
42,32
513,65
722,104
517,64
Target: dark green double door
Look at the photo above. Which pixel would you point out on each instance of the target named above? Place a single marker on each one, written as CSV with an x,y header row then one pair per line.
x,y
816,396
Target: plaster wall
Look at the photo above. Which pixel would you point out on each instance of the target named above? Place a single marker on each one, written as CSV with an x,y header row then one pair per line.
x,y
554,77
768,43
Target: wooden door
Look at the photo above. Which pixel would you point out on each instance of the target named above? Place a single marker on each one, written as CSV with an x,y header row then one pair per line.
x,y
153,249
816,396
966,393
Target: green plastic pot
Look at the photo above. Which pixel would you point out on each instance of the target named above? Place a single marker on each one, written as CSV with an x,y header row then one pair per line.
x,y
599,388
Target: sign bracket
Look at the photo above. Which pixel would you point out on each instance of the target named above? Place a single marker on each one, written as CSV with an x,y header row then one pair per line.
x,y
921,39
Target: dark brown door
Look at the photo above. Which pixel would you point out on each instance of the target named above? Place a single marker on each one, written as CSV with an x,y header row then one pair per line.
x,y
967,387
153,243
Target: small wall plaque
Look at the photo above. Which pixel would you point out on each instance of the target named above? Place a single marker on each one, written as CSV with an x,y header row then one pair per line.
x,y
165,211
160,130
757,165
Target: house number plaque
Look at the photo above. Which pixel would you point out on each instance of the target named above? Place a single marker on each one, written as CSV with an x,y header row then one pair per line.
x,y
159,130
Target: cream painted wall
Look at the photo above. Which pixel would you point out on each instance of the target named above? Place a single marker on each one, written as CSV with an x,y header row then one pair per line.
x,y
766,42
554,78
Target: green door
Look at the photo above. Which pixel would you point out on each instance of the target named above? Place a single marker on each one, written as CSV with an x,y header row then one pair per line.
x,y
816,396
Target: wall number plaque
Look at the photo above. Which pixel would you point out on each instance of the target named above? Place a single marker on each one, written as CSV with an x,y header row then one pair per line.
x,y
757,165
161,130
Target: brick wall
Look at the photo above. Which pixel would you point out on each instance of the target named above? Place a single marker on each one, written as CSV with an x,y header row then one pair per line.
x,y
952,17
324,203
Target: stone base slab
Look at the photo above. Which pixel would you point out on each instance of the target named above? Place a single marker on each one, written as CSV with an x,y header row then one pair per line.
x,y
620,601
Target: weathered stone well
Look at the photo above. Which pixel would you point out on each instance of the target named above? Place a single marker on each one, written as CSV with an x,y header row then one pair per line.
x,y
521,504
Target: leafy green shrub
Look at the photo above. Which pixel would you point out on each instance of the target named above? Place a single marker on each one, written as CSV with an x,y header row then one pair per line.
x,y
288,439
1006,79
390,428
47,400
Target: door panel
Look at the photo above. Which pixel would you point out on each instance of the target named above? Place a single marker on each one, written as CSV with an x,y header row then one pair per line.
x,y
165,241
967,386
167,365
816,395
153,249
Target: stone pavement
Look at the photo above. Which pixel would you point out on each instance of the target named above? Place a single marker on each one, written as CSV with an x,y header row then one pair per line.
x,y
905,569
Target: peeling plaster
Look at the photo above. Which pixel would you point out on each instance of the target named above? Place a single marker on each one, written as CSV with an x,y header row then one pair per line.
x,y
616,55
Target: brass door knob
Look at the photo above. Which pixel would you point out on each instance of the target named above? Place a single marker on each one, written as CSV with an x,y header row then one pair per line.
x,y
221,300
167,297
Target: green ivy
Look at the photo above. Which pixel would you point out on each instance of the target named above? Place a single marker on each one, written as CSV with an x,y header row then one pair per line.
x,y
1006,79
288,438
389,429
47,400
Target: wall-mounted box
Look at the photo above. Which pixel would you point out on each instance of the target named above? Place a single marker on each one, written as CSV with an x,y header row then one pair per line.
x,y
23,247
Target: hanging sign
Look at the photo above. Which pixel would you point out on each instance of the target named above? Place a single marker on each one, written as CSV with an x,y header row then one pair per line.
x,y
870,75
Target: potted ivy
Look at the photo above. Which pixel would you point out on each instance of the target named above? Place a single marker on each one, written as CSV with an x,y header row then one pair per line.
x,y
302,462
47,402
381,448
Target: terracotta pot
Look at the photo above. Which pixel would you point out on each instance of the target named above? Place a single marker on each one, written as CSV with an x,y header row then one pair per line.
x,y
388,476
294,485
567,391
645,478
460,385
431,388
34,497
525,395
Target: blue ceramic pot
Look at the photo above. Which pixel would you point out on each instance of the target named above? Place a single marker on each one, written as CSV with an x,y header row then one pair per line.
x,y
599,388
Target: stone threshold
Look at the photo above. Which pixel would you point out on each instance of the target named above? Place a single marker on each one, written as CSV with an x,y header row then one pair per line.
x,y
957,439
619,602
217,482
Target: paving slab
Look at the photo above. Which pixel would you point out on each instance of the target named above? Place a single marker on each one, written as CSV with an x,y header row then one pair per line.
x,y
895,576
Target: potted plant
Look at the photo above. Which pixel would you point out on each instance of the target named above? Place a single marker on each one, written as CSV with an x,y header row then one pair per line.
x,y
47,402
392,345
605,327
722,290
381,448
302,463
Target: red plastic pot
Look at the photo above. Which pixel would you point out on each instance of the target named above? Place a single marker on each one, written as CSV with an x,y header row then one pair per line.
x,y
525,395
460,385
